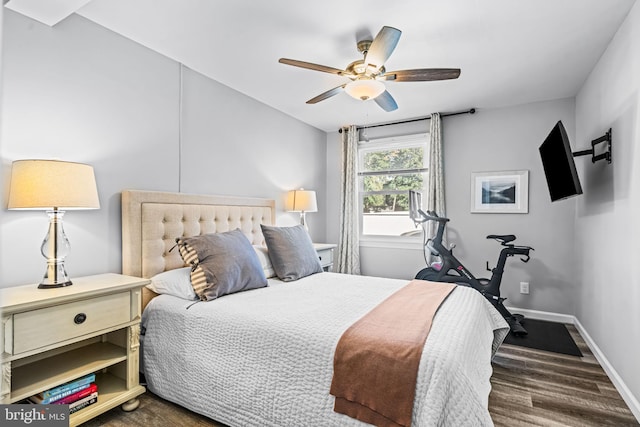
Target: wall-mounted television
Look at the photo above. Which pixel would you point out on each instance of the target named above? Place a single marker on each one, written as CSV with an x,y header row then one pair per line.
x,y
558,164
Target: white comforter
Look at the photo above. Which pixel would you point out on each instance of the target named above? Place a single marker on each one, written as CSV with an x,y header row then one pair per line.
x,y
265,357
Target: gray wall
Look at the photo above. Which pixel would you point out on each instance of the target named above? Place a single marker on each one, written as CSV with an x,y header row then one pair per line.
x,y
490,140
607,230
508,139
82,93
233,145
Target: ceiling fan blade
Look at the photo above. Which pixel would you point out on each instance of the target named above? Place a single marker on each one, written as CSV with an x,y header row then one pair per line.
x,y
422,74
310,66
382,46
327,94
386,101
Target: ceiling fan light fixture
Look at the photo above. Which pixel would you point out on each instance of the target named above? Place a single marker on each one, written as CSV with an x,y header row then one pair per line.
x,y
364,89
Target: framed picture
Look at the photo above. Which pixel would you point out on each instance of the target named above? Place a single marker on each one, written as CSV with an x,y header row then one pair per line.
x,y
500,192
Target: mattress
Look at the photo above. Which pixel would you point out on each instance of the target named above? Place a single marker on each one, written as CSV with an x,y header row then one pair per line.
x,y
265,357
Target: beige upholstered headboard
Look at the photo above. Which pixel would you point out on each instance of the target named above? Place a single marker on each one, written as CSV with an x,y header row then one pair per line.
x,y
152,220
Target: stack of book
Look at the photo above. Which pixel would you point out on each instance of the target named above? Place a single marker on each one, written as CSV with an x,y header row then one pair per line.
x,y
78,394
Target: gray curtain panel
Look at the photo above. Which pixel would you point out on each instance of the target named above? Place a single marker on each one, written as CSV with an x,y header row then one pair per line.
x,y
349,245
435,191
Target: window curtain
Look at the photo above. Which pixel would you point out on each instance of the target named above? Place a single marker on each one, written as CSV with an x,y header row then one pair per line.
x,y
435,192
349,244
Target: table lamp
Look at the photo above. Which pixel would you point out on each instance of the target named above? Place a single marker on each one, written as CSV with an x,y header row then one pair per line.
x,y
302,201
53,186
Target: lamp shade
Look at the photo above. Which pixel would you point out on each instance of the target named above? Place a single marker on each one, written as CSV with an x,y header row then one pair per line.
x,y
364,89
302,201
49,184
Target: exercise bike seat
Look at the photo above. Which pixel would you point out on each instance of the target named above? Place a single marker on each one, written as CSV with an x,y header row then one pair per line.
x,y
502,238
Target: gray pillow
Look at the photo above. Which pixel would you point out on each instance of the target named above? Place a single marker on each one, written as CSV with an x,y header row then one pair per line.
x,y
221,264
291,252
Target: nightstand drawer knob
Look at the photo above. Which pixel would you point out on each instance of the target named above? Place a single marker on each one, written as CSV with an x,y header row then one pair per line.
x,y
80,318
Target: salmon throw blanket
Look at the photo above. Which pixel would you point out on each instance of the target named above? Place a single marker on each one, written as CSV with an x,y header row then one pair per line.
x,y
375,367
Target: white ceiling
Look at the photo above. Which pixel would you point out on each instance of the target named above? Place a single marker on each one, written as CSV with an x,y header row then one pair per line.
x,y
510,52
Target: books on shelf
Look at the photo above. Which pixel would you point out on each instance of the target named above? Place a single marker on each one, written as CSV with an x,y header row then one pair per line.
x,y
83,403
78,400
64,390
93,388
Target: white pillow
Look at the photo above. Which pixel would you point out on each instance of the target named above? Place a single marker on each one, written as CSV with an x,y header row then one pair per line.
x,y
265,261
174,282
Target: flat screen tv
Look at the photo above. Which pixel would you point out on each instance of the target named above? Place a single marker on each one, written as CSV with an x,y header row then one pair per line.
x,y
558,164
415,204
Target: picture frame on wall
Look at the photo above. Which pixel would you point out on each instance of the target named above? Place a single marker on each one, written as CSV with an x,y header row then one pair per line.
x,y
500,192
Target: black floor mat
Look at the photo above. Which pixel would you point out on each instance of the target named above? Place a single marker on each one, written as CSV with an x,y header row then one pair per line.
x,y
548,336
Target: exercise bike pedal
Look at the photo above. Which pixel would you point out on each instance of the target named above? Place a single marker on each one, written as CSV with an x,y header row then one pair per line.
x,y
519,317
516,328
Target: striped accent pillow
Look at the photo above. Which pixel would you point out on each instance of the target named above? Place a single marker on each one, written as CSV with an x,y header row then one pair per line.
x,y
221,264
190,257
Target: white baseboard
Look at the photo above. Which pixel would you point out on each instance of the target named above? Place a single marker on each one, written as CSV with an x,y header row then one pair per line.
x,y
544,315
619,384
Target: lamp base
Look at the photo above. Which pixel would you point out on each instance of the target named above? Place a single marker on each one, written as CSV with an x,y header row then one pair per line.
x,y
55,248
303,221
54,285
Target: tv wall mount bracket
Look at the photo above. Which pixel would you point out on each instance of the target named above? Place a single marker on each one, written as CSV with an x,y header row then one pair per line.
x,y
605,155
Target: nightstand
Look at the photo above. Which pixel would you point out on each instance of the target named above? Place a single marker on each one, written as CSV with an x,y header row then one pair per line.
x,y
52,336
325,253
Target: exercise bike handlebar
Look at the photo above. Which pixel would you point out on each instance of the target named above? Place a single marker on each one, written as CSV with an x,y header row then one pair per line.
x,y
432,216
522,250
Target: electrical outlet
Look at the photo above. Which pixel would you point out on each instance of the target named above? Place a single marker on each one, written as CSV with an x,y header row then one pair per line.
x,y
524,287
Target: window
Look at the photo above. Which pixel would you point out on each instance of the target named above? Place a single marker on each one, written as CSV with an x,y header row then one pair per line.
x,y
388,169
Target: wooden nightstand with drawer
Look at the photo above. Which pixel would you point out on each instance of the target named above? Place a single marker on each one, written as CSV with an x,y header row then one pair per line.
x,y
52,336
325,253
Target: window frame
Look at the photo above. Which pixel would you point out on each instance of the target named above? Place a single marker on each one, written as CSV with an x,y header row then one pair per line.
x,y
403,141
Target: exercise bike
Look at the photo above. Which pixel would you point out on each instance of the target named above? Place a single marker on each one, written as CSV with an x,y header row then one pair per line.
x,y
451,270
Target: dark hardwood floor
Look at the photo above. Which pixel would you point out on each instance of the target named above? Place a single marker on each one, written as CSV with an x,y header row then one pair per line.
x,y
538,388
529,388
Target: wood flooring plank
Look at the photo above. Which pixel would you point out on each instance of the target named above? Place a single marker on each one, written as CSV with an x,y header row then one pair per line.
x,y
537,379
500,420
593,410
501,393
608,389
513,414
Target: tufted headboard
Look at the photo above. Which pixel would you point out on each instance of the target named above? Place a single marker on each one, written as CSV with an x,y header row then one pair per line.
x,y
152,220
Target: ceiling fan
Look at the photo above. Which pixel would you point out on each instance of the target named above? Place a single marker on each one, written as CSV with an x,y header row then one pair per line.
x,y
368,74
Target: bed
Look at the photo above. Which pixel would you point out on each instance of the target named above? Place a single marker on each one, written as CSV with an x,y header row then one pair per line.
x,y
264,357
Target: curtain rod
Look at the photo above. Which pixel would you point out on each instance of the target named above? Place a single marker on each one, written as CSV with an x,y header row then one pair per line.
x,y
469,111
